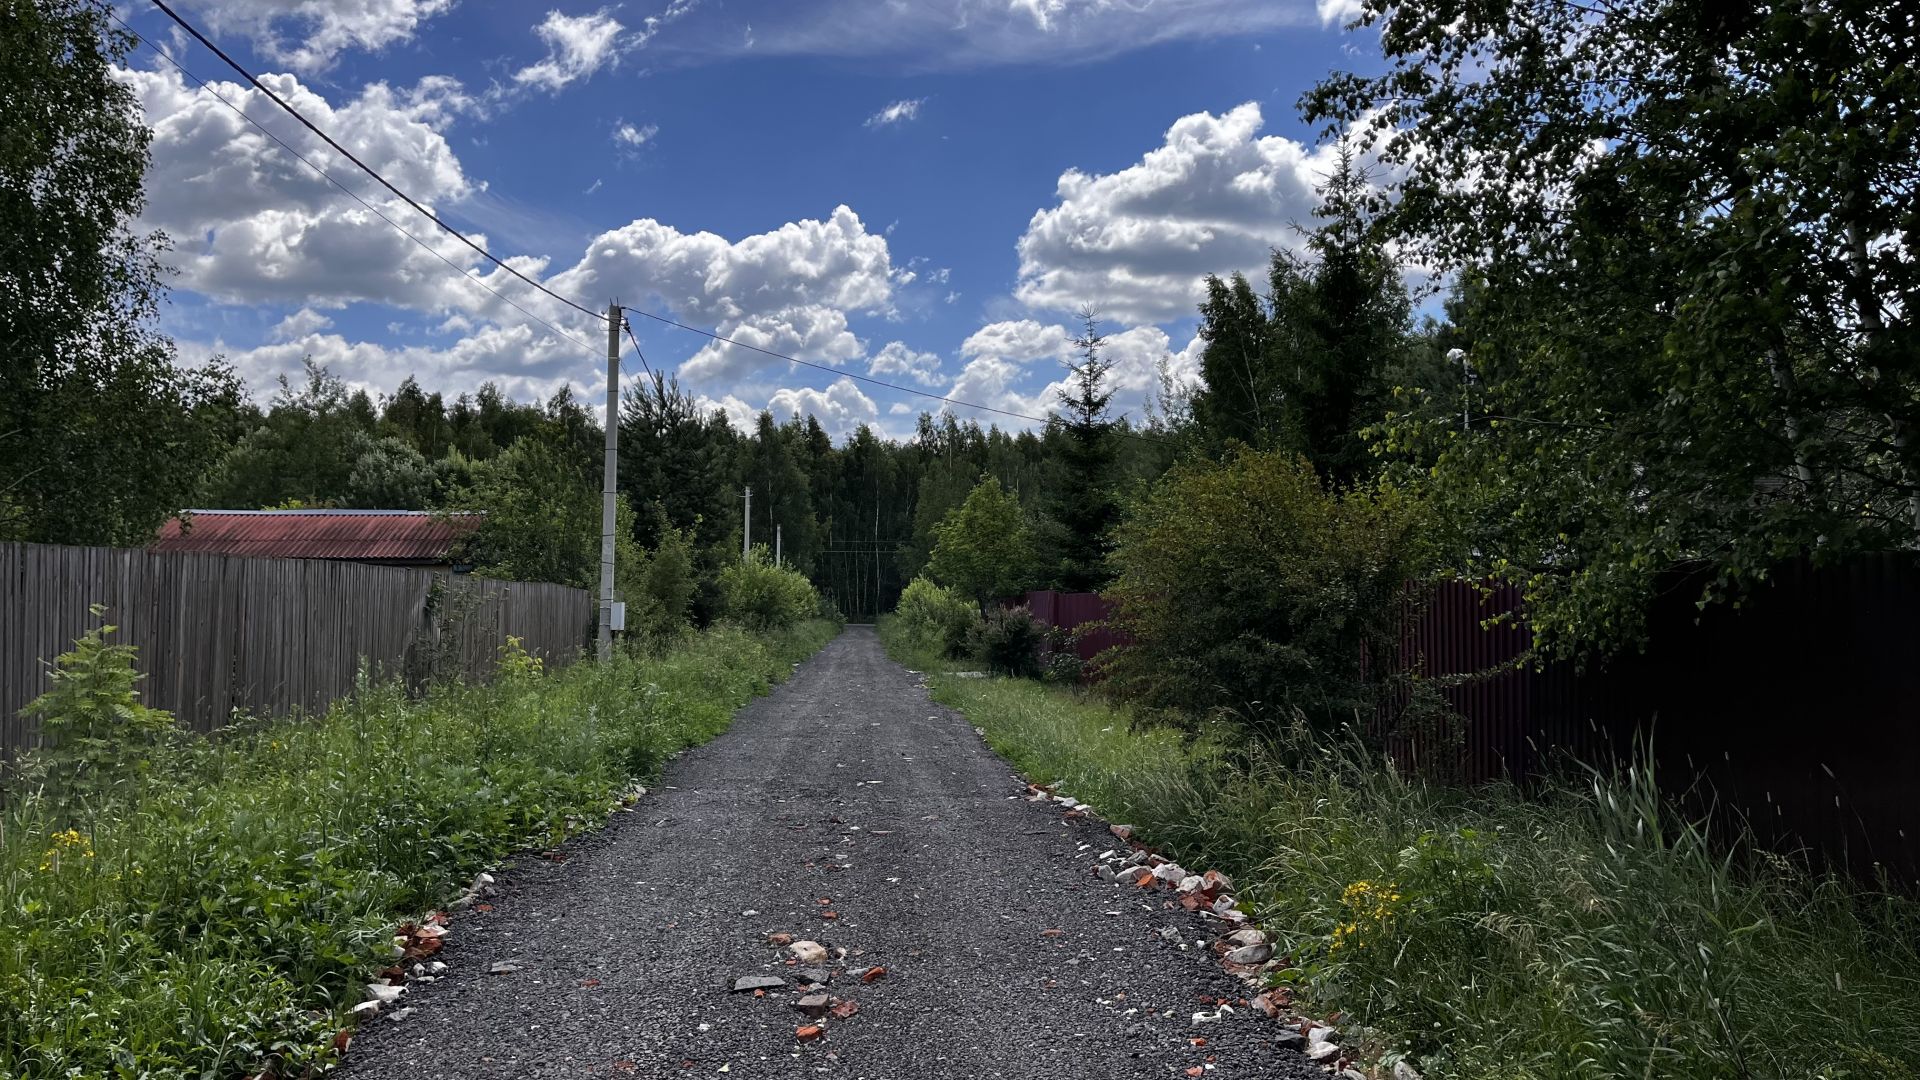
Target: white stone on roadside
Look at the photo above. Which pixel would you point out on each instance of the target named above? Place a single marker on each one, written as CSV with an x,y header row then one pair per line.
x,y
1169,873
384,992
399,1015
1191,883
1404,1071
366,1008
1246,935
1206,1018
437,967
503,967
1321,1051
1248,955
809,953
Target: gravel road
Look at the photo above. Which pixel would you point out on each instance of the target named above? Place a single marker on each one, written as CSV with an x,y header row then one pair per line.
x,y
845,791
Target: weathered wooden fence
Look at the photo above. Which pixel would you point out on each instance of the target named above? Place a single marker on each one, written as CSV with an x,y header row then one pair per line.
x,y
220,633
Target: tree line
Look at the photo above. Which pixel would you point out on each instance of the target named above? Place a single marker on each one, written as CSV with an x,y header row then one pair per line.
x,y
1674,248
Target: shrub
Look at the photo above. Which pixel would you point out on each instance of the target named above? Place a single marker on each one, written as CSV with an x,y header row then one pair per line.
x,y
936,619
660,586
96,735
1060,662
1008,640
1248,587
760,596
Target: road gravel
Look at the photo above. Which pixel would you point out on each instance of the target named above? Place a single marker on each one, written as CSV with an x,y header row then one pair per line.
x,y
845,791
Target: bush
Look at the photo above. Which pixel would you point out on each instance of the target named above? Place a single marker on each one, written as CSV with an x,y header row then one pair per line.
x,y
937,620
760,596
1248,587
659,587
1487,935
1008,641
218,918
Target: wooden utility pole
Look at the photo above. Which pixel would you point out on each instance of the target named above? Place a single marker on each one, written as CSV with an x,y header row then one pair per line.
x,y
746,528
607,492
778,560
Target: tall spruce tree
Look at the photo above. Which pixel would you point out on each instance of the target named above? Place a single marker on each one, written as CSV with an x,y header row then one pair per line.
x,y
1084,510
1302,368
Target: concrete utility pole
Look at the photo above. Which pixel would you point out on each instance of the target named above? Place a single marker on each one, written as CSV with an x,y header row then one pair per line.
x,y
607,496
777,559
746,528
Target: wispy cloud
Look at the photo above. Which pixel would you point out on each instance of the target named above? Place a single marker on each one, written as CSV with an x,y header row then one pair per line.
x,y
577,46
900,112
629,138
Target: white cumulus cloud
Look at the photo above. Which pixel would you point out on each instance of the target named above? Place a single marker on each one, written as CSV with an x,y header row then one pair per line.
x,y
300,324
1215,197
309,35
895,358
789,290
252,224
841,407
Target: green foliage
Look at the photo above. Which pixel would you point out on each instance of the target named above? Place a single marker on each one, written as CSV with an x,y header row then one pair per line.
x,y
937,620
1248,586
219,919
659,586
102,437
758,595
1007,640
984,547
542,507
96,736
1675,228
1485,934
1302,368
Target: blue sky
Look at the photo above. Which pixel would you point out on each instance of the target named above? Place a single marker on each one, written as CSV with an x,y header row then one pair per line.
x,y
925,192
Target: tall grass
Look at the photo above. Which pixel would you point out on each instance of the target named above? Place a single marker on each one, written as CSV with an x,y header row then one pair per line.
x,y
214,911
1581,932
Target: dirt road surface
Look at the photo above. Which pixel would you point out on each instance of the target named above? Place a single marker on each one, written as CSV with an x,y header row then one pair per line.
x,y
845,808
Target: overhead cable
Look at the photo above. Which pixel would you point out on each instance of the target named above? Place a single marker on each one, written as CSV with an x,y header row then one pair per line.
x,y
364,167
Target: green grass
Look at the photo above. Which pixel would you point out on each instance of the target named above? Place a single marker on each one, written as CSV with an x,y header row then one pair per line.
x,y
212,915
1580,933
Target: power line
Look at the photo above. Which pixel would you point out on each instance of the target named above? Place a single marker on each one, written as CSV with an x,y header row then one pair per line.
x,y
465,274
364,167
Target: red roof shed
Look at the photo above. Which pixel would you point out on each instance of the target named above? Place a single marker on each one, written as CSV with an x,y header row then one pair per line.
x,y
394,537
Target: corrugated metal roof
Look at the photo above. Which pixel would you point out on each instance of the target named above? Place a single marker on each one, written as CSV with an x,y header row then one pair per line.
x,y
388,535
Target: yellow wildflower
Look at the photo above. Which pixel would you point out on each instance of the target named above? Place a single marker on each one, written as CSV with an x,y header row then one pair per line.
x,y
72,841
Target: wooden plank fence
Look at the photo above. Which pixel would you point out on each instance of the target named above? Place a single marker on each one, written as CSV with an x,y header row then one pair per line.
x,y
217,634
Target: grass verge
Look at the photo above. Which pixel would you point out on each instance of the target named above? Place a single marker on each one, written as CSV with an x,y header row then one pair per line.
x,y
213,909
1583,933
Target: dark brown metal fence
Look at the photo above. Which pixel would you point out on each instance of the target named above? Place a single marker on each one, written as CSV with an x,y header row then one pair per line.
x,y
1799,709
220,633
1073,611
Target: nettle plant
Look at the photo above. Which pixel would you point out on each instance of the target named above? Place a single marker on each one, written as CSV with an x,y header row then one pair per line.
x,y
96,736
